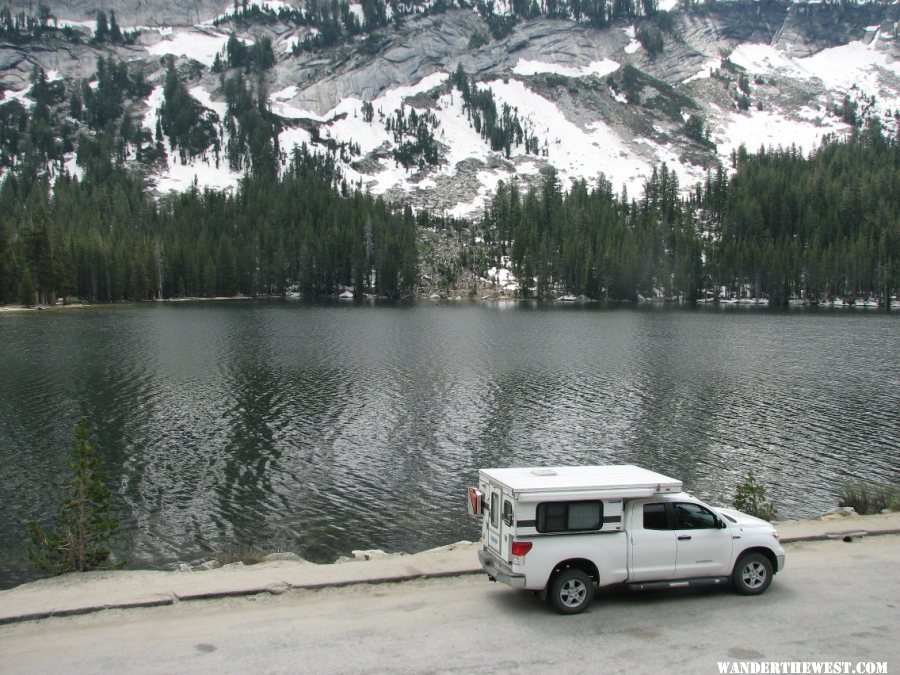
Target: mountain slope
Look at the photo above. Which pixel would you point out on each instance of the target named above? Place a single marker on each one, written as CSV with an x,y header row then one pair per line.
x,y
595,100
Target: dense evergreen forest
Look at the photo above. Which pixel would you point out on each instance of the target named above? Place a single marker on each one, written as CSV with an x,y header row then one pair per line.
x,y
102,238
783,225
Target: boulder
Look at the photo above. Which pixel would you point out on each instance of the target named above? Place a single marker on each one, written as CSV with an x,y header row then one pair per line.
x,y
840,512
287,555
370,554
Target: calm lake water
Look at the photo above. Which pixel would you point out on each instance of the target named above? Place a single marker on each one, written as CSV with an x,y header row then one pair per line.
x,y
325,428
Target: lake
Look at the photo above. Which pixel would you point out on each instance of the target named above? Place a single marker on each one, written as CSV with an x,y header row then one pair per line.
x,y
322,428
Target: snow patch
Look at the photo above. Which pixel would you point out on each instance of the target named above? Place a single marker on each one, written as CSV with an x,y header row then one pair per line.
x,y
199,45
293,137
855,69
68,23
71,167
851,65
357,10
502,276
762,59
634,45
598,68
205,99
769,129
285,94
21,96
575,152
705,71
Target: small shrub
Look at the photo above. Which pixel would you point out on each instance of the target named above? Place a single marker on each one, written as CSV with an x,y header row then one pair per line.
x,y
664,21
696,128
553,80
750,497
651,40
477,40
868,498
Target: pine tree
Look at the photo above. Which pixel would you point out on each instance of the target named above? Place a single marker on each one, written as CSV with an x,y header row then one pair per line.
x,y
115,33
6,263
25,289
102,30
78,543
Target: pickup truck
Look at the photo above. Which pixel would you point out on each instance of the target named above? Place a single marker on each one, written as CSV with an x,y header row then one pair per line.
x,y
562,531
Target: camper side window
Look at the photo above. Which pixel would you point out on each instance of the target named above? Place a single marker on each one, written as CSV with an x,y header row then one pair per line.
x,y
495,510
507,512
569,516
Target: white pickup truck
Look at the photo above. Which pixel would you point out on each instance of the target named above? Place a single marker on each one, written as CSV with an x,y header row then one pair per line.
x,y
561,531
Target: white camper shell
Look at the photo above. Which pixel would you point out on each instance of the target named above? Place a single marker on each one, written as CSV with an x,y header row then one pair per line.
x,y
562,530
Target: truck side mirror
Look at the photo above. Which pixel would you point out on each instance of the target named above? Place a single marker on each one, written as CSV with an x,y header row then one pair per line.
x,y
720,523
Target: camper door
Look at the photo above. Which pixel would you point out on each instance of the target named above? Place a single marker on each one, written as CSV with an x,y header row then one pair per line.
x,y
499,522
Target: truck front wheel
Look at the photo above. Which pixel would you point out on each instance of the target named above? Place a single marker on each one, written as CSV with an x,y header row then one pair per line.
x,y
572,591
752,574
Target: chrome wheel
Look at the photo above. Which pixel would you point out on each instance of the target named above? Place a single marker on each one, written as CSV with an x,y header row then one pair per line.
x,y
754,575
571,591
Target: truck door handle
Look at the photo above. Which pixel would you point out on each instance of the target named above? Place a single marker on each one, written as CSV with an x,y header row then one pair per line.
x,y
683,537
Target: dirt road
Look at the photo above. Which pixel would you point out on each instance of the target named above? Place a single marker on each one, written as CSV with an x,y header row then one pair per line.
x,y
834,602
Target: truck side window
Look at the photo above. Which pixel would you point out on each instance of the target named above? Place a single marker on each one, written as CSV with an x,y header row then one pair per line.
x,y
655,517
507,512
694,517
569,516
495,510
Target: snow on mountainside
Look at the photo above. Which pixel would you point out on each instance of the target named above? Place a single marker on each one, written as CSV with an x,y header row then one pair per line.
x,y
594,99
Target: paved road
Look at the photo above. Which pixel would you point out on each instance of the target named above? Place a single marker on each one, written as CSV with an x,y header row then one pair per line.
x,y
834,602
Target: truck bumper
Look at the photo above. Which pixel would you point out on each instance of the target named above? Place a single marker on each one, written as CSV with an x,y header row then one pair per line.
x,y
779,562
499,571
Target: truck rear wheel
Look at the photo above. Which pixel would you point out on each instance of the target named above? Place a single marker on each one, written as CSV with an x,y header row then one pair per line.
x,y
752,574
572,591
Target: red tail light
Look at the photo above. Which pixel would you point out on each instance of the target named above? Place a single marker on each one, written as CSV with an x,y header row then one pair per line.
x,y
520,548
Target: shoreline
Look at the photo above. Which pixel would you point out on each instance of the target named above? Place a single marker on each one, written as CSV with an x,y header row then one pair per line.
x,y
83,593
126,303
447,299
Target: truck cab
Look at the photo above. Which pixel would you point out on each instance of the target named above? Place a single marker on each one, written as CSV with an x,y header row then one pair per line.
x,y
562,531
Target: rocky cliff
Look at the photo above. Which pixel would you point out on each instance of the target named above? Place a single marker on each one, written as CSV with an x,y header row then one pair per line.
x,y
595,100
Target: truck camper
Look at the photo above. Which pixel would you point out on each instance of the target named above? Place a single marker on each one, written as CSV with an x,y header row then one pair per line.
x,y
562,531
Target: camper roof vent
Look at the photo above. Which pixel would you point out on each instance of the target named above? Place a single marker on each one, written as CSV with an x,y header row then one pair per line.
x,y
543,472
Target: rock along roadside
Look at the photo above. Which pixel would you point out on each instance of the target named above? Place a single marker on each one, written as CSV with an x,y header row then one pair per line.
x,y
73,594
